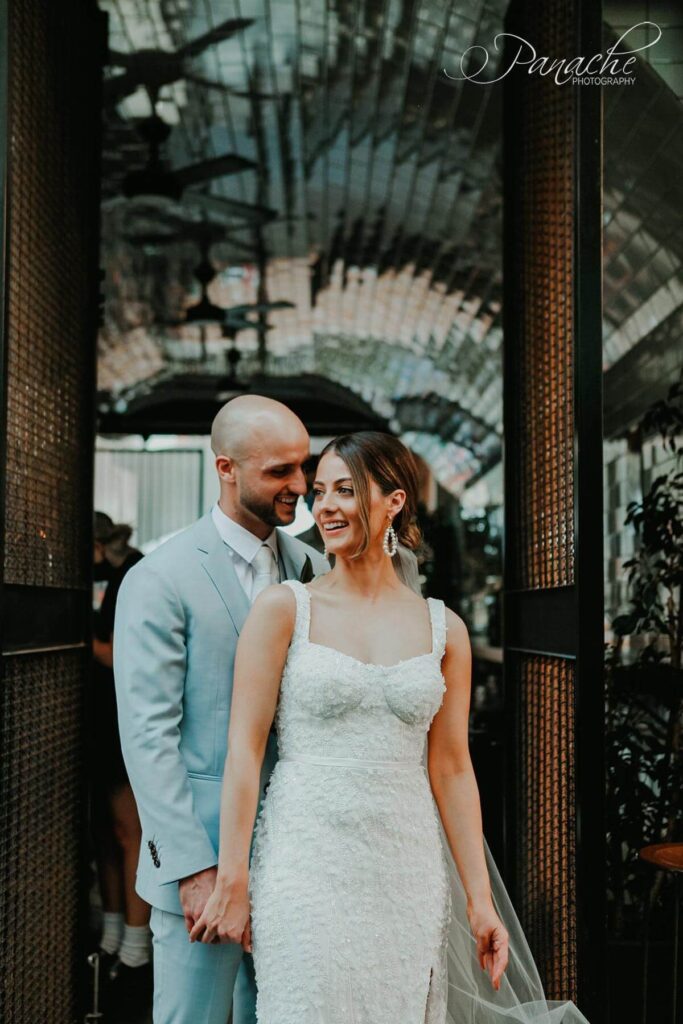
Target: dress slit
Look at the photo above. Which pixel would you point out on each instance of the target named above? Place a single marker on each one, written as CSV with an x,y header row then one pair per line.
x,y
429,993
437,994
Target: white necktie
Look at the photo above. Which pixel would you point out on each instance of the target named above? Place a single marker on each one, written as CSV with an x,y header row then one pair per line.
x,y
265,570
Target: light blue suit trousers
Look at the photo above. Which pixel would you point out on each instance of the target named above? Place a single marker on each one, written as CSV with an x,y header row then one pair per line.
x,y
194,982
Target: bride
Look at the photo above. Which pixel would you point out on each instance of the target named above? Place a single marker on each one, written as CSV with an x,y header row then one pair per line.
x,y
371,897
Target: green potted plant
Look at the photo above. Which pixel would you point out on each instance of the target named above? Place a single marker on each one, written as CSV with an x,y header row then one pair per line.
x,y
645,697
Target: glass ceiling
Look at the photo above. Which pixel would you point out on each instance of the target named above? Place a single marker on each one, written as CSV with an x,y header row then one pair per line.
x,y
329,166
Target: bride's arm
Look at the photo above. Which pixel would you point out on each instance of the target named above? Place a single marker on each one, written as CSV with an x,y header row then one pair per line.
x,y
259,661
457,796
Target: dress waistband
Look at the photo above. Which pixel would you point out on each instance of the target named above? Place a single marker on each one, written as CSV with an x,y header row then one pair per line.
x,y
352,762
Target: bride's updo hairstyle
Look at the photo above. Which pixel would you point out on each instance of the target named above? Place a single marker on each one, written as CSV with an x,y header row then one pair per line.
x,y
371,455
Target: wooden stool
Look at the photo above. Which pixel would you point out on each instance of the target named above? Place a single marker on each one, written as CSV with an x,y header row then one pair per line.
x,y
664,857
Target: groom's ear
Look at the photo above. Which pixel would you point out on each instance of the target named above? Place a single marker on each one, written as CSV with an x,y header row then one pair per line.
x,y
225,467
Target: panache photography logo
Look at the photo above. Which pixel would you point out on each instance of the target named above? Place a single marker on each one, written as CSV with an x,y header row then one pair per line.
x,y
614,67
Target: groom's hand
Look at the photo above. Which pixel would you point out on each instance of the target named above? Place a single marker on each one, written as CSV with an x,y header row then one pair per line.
x,y
194,892
226,915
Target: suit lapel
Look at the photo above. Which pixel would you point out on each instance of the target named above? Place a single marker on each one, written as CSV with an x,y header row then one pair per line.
x,y
220,570
293,555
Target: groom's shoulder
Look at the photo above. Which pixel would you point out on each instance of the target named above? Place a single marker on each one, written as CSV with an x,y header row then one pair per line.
x,y
168,560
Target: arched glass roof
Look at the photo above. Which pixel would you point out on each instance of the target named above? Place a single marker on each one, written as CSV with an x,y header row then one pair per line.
x,y
340,196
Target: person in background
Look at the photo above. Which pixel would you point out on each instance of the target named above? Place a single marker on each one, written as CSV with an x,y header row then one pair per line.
x,y
125,942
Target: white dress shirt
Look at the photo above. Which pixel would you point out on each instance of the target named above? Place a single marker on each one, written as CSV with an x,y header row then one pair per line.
x,y
242,547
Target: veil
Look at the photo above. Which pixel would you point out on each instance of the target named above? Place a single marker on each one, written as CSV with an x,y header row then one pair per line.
x,y
407,570
471,997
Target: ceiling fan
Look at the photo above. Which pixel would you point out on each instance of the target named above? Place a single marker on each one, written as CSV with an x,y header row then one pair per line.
x,y
158,179
235,321
169,229
205,312
157,183
156,68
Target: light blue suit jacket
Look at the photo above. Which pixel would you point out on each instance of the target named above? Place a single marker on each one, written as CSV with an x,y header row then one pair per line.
x,y
178,616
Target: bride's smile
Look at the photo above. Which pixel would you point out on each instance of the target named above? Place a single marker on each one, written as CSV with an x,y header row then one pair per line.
x,y
335,509
351,527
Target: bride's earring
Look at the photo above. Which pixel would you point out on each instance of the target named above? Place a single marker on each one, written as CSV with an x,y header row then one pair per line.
x,y
390,542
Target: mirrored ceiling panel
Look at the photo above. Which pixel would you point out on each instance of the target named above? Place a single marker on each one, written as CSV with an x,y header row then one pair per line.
x,y
294,190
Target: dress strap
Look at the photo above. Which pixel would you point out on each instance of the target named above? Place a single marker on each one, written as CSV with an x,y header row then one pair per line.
x,y
437,615
302,623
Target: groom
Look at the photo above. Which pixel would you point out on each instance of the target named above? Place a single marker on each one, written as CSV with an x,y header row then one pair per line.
x,y
179,614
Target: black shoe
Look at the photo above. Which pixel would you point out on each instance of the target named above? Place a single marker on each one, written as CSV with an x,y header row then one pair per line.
x,y
129,991
107,961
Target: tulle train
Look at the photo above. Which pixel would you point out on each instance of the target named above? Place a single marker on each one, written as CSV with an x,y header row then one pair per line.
x,y
471,997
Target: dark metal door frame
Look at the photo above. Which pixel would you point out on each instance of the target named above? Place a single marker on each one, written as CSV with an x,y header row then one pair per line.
x,y
47,53
554,633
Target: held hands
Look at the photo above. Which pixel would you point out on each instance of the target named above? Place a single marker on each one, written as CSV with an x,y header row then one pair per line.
x,y
225,917
492,940
194,891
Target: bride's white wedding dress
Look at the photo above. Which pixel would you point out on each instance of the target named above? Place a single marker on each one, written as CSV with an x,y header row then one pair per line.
x,y
348,882
358,916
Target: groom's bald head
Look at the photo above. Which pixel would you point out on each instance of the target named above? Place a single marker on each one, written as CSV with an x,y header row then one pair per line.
x,y
261,447
248,422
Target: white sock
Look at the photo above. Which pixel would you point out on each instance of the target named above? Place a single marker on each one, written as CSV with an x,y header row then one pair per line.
x,y
135,949
112,931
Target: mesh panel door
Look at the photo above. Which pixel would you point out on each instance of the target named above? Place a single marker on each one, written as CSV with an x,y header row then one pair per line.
x,y
49,138
553,487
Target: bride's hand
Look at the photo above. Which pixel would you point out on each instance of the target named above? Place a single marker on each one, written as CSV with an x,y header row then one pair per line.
x,y
492,940
225,917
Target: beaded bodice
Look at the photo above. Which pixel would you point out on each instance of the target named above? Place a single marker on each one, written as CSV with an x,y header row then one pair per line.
x,y
331,704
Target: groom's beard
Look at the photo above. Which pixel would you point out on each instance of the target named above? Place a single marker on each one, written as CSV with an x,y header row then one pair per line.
x,y
268,513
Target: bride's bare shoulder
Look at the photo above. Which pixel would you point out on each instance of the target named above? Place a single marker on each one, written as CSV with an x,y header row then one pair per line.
x,y
275,602
457,636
